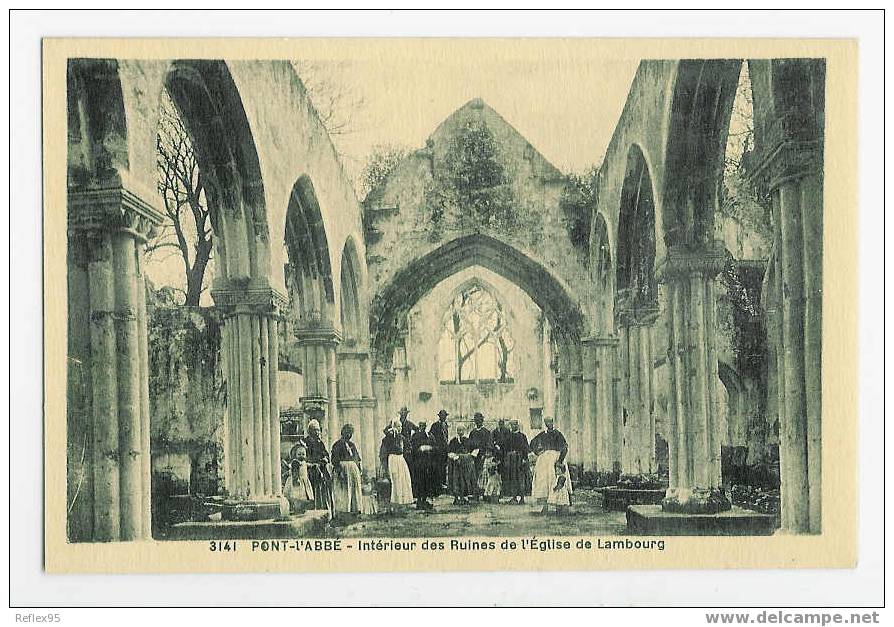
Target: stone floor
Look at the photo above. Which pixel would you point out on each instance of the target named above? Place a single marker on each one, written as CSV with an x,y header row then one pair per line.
x,y
585,517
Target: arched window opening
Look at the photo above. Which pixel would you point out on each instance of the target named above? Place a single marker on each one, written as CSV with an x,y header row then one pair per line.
x,y
476,344
743,217
181,256
636,233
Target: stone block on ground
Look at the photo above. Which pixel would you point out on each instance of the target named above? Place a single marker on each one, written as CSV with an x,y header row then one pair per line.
x,y
618,499
652,520
308,524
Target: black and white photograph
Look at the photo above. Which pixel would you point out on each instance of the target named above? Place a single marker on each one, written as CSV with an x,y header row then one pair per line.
x,y
310,299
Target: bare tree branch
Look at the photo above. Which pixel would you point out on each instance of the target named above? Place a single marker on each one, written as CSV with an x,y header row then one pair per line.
x,y
181,185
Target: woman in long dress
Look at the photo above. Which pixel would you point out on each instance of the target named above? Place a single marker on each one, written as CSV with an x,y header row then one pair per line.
x,y
424,468
318,467
517,471
347,480
552,481
392,454
461,477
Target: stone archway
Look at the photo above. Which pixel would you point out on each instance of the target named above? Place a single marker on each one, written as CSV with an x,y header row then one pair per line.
x,y
699,119
109,473
212,111
636,310
575,408
601,359
312,310
356,404
110,218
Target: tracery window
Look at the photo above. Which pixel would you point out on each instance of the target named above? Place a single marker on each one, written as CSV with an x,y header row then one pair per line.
x,y
475,343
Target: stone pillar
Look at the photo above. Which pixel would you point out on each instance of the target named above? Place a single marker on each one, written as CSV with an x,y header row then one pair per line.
x,y
589,411
575,418
250,347
400,391
693,439
607,424
356,405
787,164
317,346
635,326
109,480
560,410
382,382
795,332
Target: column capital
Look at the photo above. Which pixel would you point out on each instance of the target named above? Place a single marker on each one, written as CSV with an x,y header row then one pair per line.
x,y
682,261
324,335
379,374
247,296
785,160
346,351
357,403
112,208
601,340
629,313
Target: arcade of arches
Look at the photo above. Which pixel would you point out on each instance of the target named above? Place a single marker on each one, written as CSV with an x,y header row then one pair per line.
x,y
466,290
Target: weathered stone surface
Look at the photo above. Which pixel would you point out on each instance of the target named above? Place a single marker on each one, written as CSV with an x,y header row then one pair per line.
x,y
651,520
427,226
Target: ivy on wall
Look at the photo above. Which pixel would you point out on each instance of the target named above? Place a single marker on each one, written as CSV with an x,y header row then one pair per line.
x,y
746,323
471,184
577,204
187,394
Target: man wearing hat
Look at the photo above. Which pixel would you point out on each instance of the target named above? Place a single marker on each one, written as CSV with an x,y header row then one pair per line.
x,y
440,434
481,440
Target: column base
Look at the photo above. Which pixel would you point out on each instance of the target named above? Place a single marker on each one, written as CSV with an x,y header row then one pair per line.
x,y
310,524
617,499
270,508
651,520
696,501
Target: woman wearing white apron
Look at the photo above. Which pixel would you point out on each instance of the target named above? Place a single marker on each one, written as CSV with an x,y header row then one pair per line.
x,y
552,481
392,455
346,478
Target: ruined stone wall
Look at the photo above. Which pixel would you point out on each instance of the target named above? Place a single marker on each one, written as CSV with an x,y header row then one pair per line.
x,y
418,209
187,395
643,122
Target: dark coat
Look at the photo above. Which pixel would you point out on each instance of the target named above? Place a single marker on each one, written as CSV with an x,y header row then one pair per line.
x,y
481,438
424,473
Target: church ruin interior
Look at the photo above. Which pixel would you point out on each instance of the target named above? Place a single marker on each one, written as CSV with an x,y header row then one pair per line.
x,y
665,309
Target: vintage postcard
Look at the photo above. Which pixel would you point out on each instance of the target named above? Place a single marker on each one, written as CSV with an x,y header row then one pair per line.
x,y
449,304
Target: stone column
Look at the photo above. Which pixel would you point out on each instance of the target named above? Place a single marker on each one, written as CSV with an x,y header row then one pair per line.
x,y
109,480
250,347
589,411
400,391
575,417
787,164
382,382
317,346
795,331
693,440
635,326
356,405
560,409
607,423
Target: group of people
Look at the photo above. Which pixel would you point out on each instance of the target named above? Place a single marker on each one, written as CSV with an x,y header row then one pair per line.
x,y
420,463
423,463
318,480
